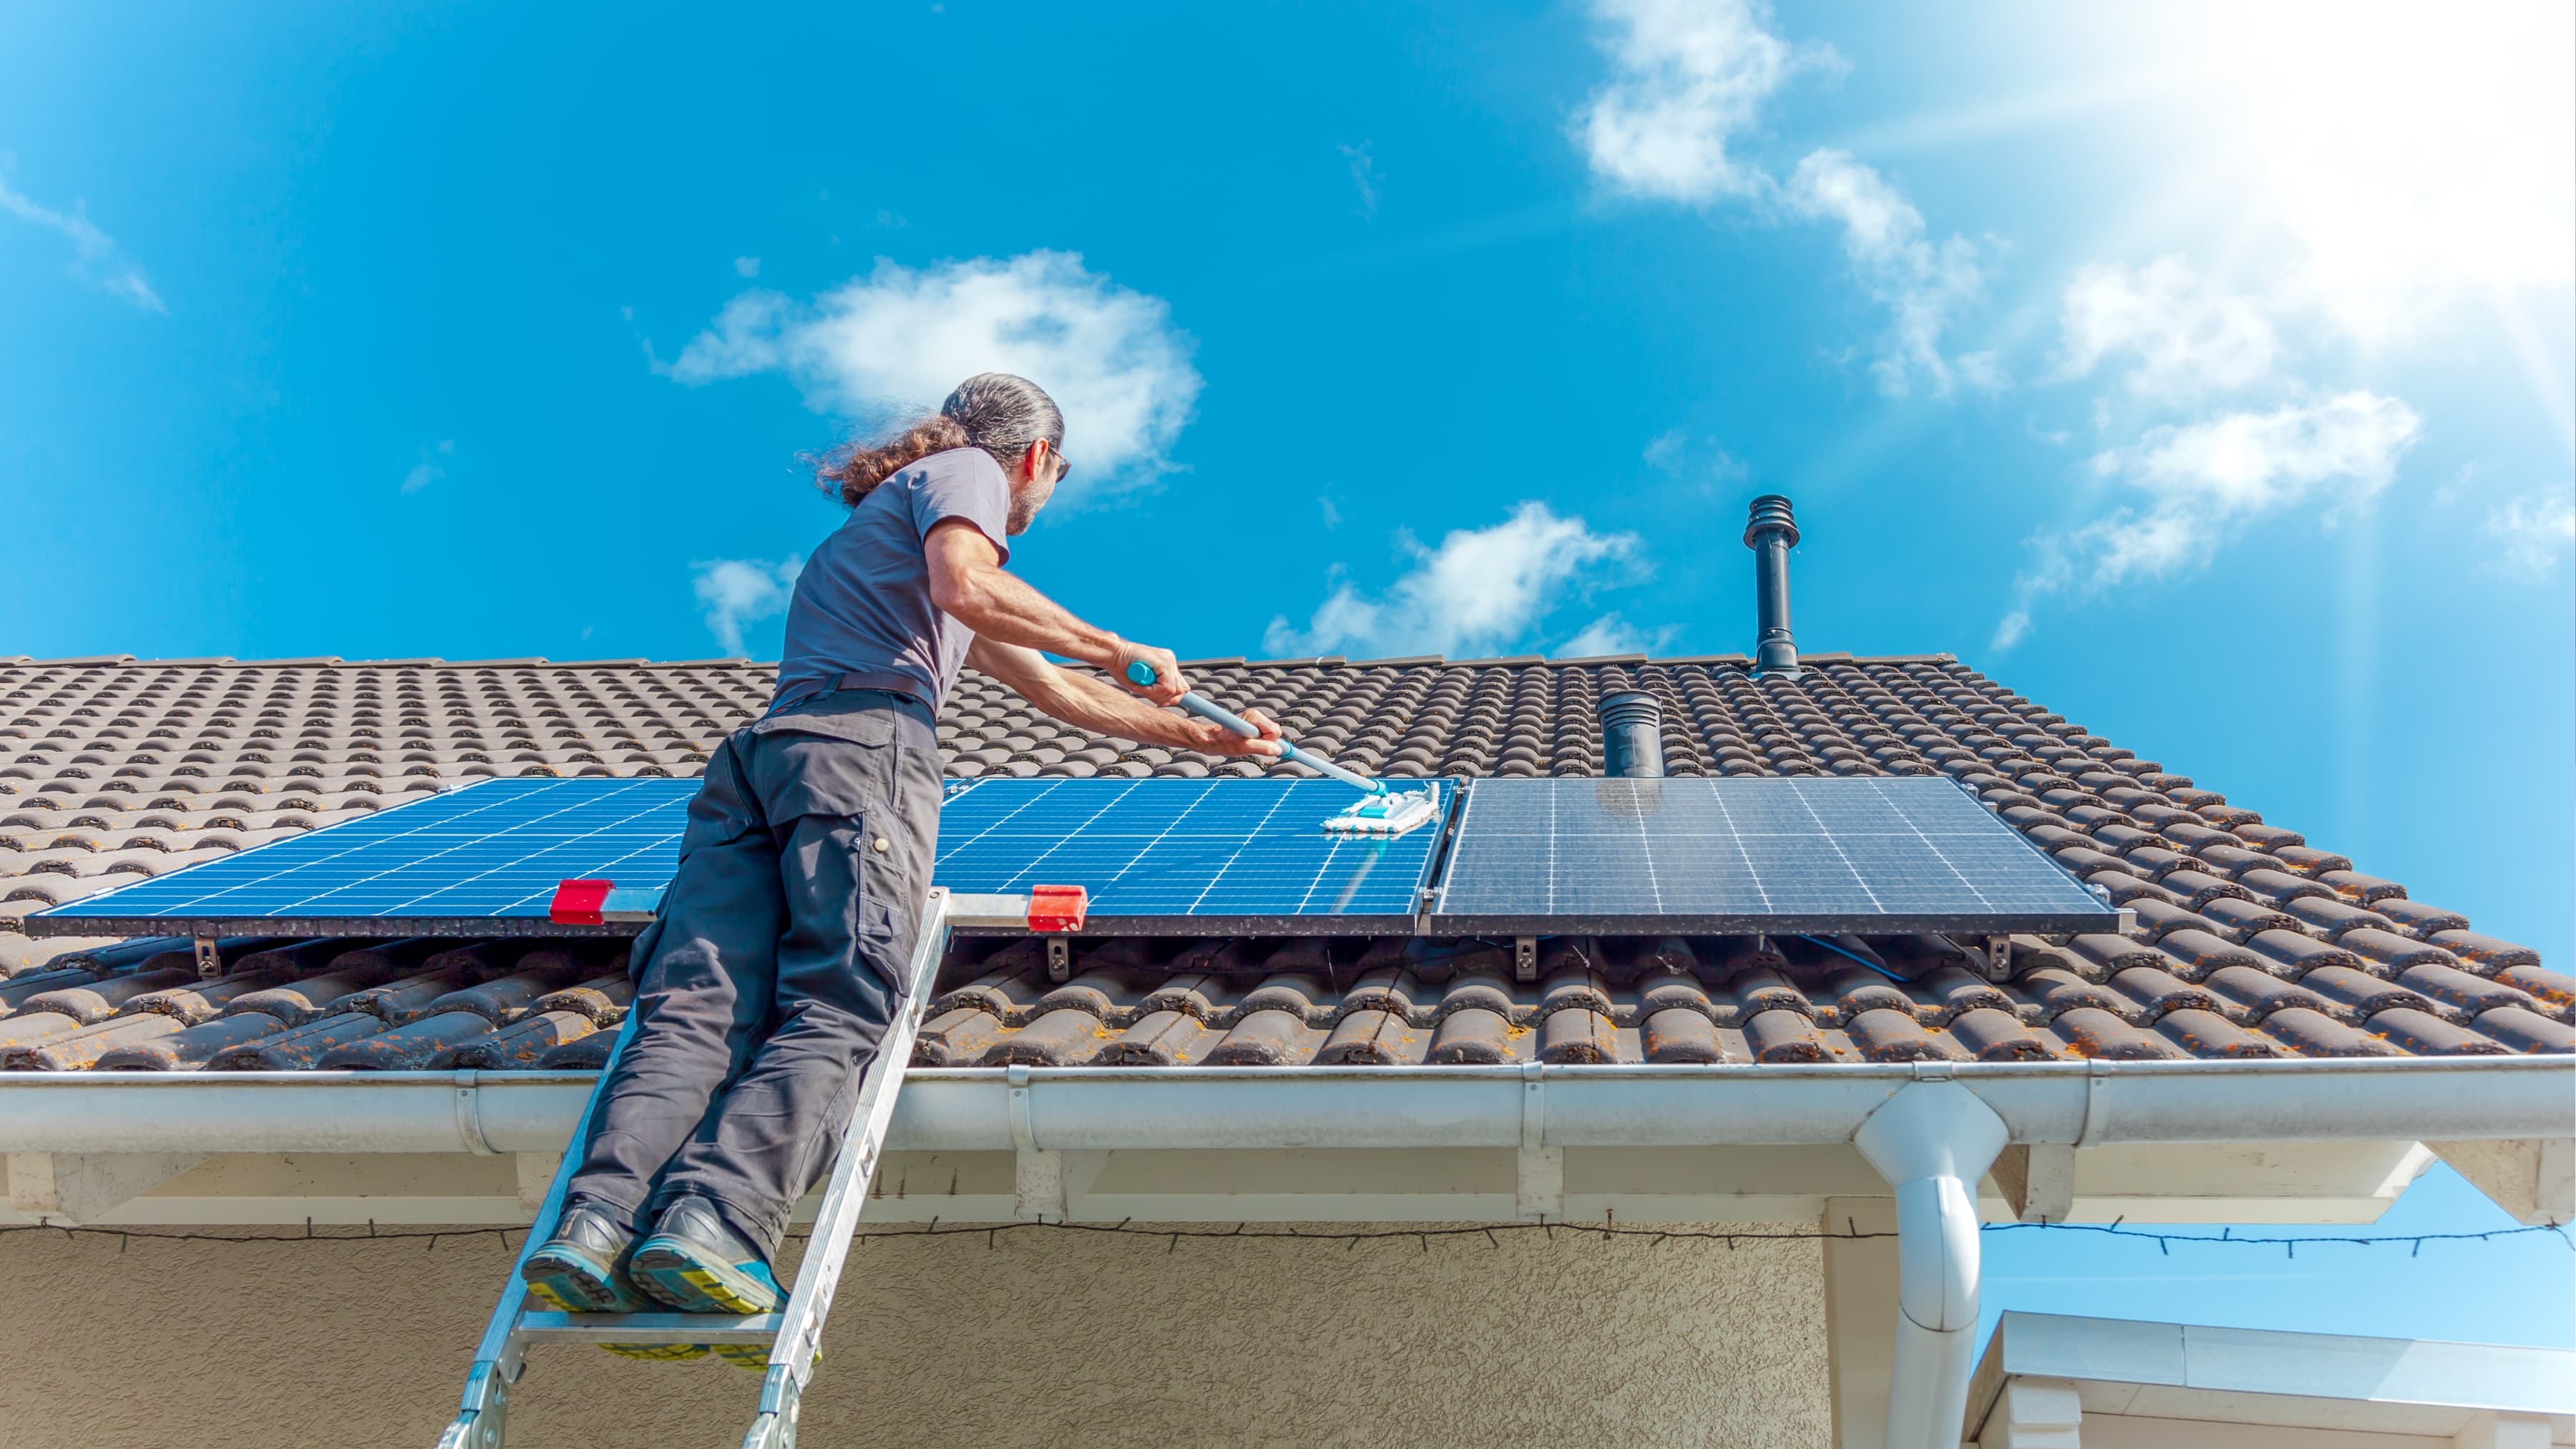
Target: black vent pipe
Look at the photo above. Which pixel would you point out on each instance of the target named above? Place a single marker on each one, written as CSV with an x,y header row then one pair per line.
x,y
1771,534
1632,735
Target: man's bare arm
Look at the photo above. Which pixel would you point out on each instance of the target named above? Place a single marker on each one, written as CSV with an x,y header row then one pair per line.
x,y
1086,703
969,584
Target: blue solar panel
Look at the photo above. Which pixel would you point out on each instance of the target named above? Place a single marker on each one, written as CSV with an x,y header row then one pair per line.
x,y
494,850
1198,855
1204,853
1749,854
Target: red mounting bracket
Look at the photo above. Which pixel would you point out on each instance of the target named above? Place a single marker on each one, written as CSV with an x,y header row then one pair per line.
x,y
577,902
1057,908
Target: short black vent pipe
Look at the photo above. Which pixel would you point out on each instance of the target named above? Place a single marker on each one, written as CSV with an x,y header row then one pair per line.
x,y
1771,534
1632,735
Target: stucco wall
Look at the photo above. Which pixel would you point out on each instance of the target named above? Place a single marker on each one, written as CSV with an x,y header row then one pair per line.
x,y
1047,1338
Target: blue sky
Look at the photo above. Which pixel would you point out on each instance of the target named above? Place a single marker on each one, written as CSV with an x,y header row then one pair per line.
x,y
2204,375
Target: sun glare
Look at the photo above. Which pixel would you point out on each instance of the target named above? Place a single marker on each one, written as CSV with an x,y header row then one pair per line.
x,y
2402,151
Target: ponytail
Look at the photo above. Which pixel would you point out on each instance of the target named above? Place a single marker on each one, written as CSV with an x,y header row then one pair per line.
x,y
994,411
849,472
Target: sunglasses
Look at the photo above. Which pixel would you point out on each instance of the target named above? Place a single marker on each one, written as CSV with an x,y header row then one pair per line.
x,y
1063,464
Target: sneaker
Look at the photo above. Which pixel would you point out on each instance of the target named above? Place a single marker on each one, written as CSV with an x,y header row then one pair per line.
x,y
696,1264
580,1270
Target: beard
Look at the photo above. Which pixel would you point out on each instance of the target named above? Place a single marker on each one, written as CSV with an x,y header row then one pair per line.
x,y
1025,503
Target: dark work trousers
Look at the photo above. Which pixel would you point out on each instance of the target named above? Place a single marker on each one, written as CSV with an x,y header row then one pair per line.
x,y
767,980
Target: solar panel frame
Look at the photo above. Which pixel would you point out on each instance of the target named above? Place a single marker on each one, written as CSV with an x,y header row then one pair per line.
x,y
1243,848
1722,855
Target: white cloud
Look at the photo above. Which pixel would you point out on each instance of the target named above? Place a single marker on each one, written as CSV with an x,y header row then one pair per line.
x,y
94,254
894,342
2188,339
2532,532
1611,634
1687,77
2207,480
746,266
1364,177
1698,460
1921,282
1480,590
2261,462
1688,80
428,470
738,591
2014,628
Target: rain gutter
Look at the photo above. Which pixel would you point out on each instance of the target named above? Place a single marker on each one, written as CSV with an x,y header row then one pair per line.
x,y
2082,1104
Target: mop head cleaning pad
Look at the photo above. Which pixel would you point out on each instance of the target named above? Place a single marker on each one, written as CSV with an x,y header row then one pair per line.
x,y
1393,812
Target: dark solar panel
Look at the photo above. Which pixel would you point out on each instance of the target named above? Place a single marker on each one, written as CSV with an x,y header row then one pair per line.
x,y
1742,855
488,852
1187,856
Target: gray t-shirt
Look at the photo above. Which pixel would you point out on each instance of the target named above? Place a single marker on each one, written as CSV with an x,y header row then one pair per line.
x,y
863,605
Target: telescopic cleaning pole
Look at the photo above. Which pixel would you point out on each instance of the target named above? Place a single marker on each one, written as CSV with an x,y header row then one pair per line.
x,y
1381,812
1207,709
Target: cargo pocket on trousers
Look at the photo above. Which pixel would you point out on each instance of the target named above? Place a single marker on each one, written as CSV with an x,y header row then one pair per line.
x,y
887,919
800,774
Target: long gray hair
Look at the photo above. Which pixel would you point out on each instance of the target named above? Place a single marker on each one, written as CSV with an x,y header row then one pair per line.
x,y
995,411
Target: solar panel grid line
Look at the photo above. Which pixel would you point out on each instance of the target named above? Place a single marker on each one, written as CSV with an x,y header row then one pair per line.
x,y
1167,856
431,858
1219,873
604,869
1965,880
287,867
1800,795
1735,838
214,869
1933,843
538,897
1551,852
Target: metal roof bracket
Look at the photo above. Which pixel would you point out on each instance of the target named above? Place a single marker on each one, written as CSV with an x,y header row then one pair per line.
x,y
1538,1175
1999,958
1037,1175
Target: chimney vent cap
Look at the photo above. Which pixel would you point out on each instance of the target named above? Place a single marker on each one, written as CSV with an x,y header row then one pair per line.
x,y
1770,512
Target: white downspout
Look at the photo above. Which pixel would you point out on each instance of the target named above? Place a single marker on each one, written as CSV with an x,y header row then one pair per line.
x,y
1933,1142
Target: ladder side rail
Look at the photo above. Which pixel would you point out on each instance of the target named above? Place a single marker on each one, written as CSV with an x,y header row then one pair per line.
x,y
500,1357
827,1249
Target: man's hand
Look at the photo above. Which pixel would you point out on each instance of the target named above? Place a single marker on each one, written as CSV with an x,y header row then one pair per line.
x,y
1084,702
1168,685
1210,738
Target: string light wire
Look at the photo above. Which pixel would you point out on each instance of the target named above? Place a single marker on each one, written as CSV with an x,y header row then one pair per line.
x,y
1606,1231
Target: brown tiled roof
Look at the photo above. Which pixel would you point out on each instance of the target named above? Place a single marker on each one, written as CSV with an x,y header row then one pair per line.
x,y
2251,943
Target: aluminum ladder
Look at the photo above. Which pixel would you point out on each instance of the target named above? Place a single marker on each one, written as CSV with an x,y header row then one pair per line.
x,y
794,1333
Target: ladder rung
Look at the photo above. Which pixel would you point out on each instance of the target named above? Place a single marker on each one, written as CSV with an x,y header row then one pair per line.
x,y
649,1327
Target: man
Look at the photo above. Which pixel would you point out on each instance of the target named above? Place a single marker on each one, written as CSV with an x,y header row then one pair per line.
x,y
768,979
